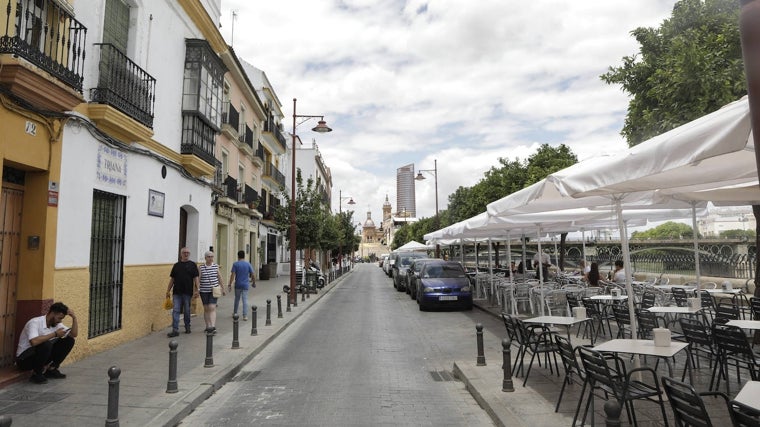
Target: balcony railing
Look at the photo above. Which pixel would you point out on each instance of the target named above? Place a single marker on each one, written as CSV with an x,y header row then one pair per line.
x,y
198,138
231,188
125,86
250,196
272,127
274,173
260,152
231,117
248,137
218,177
45,34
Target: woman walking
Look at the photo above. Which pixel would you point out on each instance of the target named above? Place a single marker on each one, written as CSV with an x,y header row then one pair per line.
x,y
209,277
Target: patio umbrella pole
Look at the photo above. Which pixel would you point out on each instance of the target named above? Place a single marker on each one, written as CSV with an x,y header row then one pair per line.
x,y
628,275
540,268
696,242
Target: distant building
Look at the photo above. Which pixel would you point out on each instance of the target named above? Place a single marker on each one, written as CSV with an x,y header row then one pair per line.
x,y
405,197
719,220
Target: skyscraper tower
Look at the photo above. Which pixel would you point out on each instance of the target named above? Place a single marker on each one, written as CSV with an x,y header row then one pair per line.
x,y
405,197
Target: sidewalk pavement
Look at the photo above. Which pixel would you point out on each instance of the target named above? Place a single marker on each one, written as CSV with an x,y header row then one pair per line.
x,y
82,398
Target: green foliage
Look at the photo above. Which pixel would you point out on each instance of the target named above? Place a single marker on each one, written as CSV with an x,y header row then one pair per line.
x,y
499,181
737,234
688,67
667,231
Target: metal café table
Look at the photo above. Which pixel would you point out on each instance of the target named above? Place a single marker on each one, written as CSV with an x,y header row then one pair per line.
x,y
608,298
646,348
750,395
745,324
567,321
724,291
687,288
674,310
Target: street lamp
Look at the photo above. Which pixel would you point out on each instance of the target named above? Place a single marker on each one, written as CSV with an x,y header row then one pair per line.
x,y
420,177
320,128
340,213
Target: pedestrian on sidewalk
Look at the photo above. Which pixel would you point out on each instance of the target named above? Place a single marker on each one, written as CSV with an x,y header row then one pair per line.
x,y
183,287
242,276
45,342
210,276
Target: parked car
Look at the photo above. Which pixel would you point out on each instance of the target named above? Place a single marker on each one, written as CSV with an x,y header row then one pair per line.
x,y
443,284
401,268
413,275
382,260
388,264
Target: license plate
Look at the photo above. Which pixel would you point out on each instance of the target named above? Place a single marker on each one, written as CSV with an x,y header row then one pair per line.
x,y
447,298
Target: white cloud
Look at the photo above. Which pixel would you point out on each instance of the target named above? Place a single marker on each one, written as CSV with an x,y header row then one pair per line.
x,y
464,82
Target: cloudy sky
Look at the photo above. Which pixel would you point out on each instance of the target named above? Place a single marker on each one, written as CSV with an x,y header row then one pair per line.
x,y
461,81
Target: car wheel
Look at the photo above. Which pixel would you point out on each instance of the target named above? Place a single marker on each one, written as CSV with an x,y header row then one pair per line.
x,y
422,306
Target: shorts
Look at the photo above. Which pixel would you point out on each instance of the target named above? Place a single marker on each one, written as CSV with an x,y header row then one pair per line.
x,y
208,298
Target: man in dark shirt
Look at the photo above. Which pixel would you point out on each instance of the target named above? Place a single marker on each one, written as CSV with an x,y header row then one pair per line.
x,y
183,286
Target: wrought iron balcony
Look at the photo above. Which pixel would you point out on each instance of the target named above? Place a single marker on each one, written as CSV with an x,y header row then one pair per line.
x,y
45,34
272,127
274,173
231,188
247,138
260,152
124,85
198,138
231,117
250,196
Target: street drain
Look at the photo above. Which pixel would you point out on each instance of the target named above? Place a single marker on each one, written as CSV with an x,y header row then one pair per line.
x,y
442,376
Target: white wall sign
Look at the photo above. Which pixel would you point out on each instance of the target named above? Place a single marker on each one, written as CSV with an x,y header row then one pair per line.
x,y
112,167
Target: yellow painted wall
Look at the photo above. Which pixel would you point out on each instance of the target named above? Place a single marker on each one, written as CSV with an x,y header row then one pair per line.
x,y
142,310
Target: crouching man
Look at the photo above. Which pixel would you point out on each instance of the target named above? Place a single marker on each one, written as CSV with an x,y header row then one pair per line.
x,y
45,342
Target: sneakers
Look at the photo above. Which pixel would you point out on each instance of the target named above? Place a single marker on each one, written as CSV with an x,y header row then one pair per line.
x,y
173,334
211,330
54,374
38,379
245,318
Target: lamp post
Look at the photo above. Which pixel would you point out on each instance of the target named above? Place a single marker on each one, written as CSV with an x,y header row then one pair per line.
x,y
340,214
420,177
320,128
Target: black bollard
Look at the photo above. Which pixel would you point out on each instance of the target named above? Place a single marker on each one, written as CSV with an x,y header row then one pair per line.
x,y
288,304
612,410
113,397
254,320
209,362
171,385
303,295
235,323
308,293
6,421
481,356
506,351
279,307
268,321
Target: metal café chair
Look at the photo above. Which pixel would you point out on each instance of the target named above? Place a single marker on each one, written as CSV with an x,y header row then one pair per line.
x,y
625,387
701,343
688,406
734,348
573,372
743,415
679,296
536,339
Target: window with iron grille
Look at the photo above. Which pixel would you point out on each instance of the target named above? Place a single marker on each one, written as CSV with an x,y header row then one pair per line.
x,y
106,262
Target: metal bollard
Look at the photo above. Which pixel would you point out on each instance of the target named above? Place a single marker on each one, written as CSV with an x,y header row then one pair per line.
x,y
279,307
113,397
481,361
612,410
308,293
6,421
254,320
235,324
303,296
288,304
506,346
209,362
171,385
268,321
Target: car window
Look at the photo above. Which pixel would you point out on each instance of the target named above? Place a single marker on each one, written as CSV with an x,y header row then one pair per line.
x,y
452,271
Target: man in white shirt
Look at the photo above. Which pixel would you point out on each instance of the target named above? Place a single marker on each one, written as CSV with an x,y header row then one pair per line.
x,y
618,276
45,342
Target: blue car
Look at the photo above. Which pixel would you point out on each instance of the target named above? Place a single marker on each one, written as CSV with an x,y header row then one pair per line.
x,y
443,284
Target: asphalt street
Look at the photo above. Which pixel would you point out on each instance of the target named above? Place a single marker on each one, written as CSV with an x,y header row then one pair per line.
x,y
364,356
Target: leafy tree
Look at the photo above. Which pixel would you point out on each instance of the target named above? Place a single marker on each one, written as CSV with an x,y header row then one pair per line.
x,y
688,67
667,231
311,214
737,234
